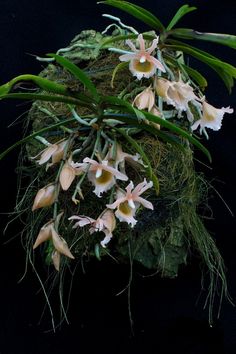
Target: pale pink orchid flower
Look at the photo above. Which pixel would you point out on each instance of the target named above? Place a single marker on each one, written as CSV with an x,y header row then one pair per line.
x,y
45,197
141,62
211,117
106,223
48,232
103,176
120,157
69,171
177,94
54,152
145,99
127,202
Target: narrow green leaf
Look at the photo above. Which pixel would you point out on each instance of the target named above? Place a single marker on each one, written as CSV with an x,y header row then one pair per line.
x,y
206,59
226,78
33,135
115,101
195,75
127,107
145,159
77,72
109,40
132,121
225,70
49,98
41,82
136,11
224,75
220,38
182,11
124,106
179,131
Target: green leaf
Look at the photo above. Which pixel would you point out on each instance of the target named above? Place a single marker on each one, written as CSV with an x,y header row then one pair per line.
x,y
77,72
223,69
179,131
220,38
132,120
127,107
195,75
49,98
112,101
227,79
183,10
42,83
145,159
105,42
136,11
33,135
122,105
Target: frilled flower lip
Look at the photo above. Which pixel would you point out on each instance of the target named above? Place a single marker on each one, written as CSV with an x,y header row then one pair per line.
x,y
211,117
175,93
141,62
128,202
103,176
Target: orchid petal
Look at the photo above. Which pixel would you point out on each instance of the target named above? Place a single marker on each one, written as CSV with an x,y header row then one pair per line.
x,y
60,244
145,203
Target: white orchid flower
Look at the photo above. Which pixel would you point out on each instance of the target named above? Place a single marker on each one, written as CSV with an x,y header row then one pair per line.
x,y
211,117
103,176
127,202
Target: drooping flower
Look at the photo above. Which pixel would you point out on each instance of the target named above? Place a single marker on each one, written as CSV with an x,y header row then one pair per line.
x,y
211,117
177,94
103,176
45,197
117,157
127,202
69,171
141,62
48,232
54,152
106,223
145,99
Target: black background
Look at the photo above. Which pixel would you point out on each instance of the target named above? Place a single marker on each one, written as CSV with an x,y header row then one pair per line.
x,y
167,317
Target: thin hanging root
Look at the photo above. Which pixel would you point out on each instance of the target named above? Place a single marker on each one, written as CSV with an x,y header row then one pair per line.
x,y
131,29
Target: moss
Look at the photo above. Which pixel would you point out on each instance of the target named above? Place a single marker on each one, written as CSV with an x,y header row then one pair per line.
x,y
163,237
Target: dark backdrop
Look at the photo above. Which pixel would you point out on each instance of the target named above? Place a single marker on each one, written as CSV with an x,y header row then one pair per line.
x,y
166,313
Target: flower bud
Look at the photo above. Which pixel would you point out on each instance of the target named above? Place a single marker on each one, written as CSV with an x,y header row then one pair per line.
x,y
45,197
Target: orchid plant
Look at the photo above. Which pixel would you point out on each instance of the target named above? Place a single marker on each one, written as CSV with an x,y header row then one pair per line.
x,y
99,152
